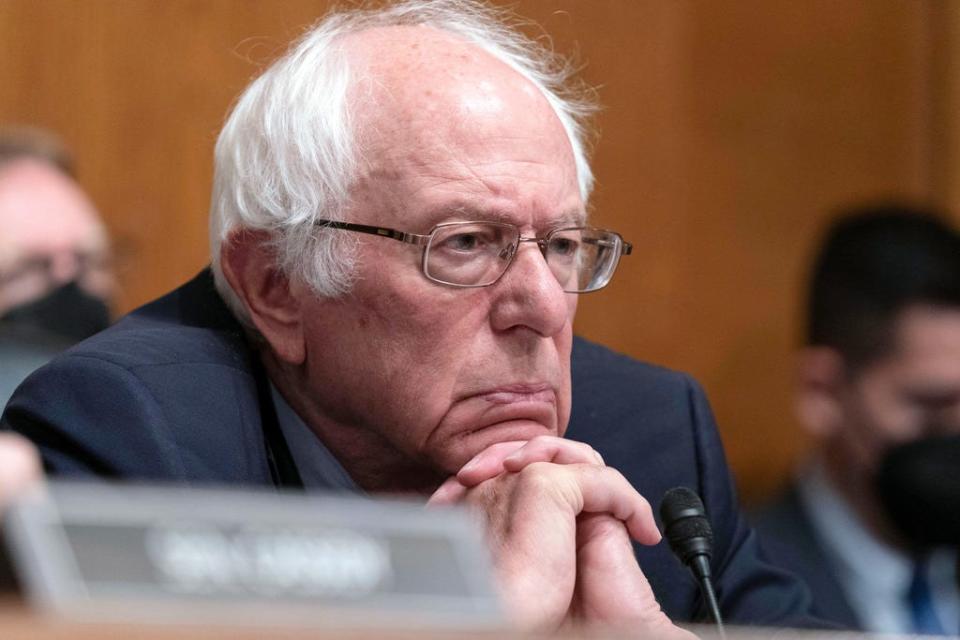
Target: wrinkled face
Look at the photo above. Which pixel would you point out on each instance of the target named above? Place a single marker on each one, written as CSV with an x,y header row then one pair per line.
x,y
51,235
911,393
441,372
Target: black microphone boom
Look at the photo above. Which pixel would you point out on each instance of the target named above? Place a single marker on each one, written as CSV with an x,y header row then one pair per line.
x,y
688,531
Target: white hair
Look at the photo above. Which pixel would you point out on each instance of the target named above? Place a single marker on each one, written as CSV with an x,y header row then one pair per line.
x,y
287,154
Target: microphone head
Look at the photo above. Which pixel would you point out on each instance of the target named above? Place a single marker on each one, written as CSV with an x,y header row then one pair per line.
x,y
685,524
681,502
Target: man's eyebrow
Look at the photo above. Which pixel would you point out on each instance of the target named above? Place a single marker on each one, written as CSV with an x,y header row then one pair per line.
x,y
576,217
468,212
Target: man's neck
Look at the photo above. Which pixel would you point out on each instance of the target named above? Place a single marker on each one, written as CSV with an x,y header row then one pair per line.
x,y
370,460
858,491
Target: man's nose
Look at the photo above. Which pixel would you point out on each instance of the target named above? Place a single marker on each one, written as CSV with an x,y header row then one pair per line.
x,y
64,266
529,295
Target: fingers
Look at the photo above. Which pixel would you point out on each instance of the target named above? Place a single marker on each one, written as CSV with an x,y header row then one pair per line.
x,y
488,463
551,463
19,466
450,492
515,455
550,449
482,467
589,488
611,588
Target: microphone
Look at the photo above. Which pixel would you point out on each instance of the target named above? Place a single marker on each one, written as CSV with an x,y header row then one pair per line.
x,y
690,536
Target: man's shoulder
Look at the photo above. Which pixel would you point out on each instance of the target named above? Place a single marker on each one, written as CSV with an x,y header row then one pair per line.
x,y
594,362
167,393
787,535
617,388
188,326
135,345
627,410
782,515
789,540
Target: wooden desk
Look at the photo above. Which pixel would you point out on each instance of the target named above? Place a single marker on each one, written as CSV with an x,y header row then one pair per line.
x,y
18,622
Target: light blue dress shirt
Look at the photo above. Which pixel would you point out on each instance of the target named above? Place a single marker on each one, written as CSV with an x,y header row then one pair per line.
x,y
319,469
875,576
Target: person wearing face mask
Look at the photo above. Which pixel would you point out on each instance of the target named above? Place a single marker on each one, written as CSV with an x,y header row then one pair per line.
x,y
871,520
55,275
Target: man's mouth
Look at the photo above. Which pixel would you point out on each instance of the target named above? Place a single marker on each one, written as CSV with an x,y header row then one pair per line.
x,y
518,407
521,393
515,411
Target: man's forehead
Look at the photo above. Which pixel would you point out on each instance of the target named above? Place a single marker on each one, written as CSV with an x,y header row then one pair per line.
x,y
467,211
394,51
444,116
404,73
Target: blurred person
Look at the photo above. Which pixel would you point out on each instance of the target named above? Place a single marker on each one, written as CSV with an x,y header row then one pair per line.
x,y
56,282
399,238
878,378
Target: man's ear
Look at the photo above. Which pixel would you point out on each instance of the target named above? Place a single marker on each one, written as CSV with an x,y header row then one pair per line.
x,y
821,377
249,265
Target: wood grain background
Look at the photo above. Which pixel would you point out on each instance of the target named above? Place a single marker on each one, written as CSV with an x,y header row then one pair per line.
x,y
730,132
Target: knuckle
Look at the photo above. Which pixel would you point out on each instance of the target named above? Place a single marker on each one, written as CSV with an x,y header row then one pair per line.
x,y
585,450
614,475
537,475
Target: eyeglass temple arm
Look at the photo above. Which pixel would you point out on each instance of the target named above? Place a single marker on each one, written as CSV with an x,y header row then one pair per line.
x,y
410,238
626,247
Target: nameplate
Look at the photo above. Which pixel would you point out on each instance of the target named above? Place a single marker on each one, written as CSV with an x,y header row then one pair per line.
x,y
138,553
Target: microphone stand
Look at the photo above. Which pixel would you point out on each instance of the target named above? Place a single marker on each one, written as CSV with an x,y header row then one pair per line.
x,y
710,598
700,567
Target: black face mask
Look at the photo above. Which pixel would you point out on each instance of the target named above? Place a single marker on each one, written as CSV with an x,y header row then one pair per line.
x,y
67,311
919,486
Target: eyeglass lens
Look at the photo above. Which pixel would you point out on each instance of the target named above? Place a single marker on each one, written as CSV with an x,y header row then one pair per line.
x,y
477,253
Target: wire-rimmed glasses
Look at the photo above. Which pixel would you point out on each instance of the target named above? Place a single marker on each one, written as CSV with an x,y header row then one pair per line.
x,y
477,254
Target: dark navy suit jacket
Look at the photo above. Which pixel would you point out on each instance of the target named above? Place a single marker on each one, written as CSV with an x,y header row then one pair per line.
x,y
168,394
791,542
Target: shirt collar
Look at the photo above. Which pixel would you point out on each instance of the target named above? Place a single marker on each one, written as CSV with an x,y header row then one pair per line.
x,y
318,468
856,550
874,575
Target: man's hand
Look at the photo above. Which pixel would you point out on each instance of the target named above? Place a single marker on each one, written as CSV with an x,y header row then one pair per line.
x,y
560,524
19,467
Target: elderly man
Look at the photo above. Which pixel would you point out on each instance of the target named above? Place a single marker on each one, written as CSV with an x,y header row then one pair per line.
x,y
399,231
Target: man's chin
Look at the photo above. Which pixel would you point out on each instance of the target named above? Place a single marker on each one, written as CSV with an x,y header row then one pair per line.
x,y
518,430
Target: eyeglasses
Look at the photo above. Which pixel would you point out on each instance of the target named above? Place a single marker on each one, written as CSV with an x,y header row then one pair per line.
x,y
477,254
40,271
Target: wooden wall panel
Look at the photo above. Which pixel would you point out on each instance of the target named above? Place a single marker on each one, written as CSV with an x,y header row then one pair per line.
x,y
945,87
729,131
